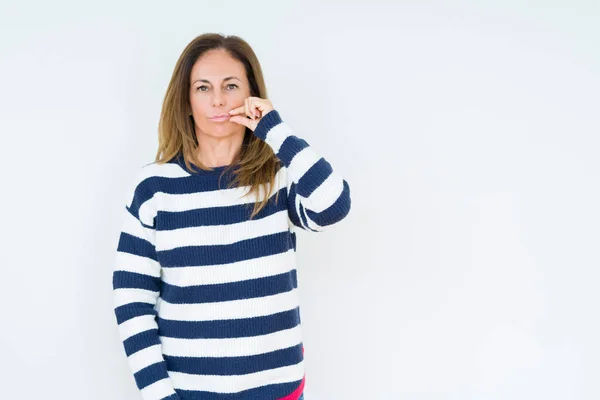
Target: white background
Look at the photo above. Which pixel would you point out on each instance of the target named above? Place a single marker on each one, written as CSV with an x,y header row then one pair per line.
x,y
468,267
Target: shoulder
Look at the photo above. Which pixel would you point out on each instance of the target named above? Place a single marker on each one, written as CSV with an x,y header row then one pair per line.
x,y
149,175
144,181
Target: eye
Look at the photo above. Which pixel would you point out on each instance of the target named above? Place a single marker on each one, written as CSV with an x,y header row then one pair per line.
x,y
233,84
200,87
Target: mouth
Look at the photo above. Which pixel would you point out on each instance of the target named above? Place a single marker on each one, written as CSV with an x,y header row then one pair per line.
x,y
220,117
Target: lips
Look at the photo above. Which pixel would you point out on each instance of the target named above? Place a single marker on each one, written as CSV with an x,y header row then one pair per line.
x,y
220,118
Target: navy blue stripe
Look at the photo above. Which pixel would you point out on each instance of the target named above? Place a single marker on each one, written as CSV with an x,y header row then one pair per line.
x,y
268,121
291,146
246,289
132,310
135,245
150,374
127,279
191,184
167,220
230,328
273,391
140,341
143,192
188,184
314,177
176,397
222,254
235,365
334,213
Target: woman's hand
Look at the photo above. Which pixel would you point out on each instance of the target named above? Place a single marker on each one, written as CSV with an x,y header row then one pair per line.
x,y
254,109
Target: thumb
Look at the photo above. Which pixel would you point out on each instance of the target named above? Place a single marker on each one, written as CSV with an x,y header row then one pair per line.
x,y
241,120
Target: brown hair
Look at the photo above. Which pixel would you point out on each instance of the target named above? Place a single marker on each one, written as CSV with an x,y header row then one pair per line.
x,y
256,163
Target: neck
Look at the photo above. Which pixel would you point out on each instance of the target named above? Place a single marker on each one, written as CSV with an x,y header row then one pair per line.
x,y
218,151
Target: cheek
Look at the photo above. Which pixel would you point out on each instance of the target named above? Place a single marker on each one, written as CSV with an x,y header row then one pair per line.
x,y
239,97
199,104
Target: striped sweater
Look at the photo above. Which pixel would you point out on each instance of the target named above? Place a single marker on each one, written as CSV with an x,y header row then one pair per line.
x,y
205,298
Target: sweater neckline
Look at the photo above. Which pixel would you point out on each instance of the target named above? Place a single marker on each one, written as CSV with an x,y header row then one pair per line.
x,y
196,171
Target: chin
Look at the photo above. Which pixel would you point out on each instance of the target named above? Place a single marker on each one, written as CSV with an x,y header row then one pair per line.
x,y
223,130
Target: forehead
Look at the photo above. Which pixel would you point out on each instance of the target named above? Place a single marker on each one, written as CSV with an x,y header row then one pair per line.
x,y
215,65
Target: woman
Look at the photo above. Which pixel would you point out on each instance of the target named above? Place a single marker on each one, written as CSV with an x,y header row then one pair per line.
x,y
205,282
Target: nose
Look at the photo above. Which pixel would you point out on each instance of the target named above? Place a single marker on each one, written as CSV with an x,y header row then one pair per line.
x,y
218,99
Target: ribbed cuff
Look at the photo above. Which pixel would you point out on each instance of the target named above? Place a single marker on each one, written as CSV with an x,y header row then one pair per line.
x,y
268,121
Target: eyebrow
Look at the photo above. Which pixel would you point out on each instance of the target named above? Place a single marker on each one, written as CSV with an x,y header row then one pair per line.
x,y
226,79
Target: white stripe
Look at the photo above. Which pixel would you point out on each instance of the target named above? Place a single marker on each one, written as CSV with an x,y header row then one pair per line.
x,y
244,308
238,383
301,163
325,194
132,226
223,234
147,210
158,390
218,198
138,264
213,198
166,170
234,272
123,296
145,357
277,135
133,326
232,347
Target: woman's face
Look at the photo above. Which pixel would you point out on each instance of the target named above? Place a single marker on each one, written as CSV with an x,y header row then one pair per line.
x,y
218,84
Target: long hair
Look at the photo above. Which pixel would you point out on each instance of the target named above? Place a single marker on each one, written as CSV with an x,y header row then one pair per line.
x,y
256,164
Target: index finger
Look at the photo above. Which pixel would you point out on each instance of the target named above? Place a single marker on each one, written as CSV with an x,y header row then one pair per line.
x,y
238,110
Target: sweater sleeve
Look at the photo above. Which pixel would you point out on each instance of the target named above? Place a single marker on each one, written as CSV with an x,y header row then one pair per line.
x,y
318,196
136,287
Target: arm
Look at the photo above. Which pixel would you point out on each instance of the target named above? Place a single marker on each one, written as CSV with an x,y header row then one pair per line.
x,y
318,196
136,287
